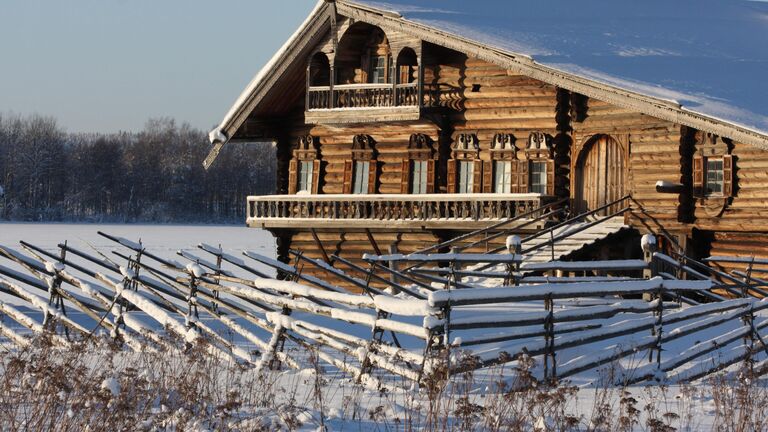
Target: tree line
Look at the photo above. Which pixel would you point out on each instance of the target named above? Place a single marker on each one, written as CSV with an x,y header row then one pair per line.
x,y
155,175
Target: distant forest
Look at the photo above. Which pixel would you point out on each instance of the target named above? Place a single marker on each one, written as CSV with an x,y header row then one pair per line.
x,y
155,175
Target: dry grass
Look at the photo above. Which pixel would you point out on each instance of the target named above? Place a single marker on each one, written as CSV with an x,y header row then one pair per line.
x,y
97,387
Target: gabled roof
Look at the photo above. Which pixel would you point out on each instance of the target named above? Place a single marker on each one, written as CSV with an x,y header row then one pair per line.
x,y
701,63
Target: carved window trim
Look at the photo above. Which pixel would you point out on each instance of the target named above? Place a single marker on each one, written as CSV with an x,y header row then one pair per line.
x,y
712,148
304,153
540,150
465,150
421,155
363,150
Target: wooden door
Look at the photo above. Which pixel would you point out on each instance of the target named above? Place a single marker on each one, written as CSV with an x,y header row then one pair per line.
x,y
600,175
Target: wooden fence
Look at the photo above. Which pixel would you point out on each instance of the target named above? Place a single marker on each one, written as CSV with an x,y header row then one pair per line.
x,y
447,317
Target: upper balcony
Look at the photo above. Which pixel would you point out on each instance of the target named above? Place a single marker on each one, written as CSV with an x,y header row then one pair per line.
x,y
366,79
417,211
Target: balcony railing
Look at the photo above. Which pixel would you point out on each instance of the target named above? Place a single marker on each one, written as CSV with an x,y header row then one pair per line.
x,y
364,96
292,210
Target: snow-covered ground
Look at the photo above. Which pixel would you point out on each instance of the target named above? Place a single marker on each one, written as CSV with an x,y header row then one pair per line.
x,y
335,399
163,239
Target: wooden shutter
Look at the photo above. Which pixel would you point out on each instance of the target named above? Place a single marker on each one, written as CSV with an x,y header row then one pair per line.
x,y
293,175
698,176
405,176
316,177
523,173
487,176
372,176
551,177
477,180
347,185
451,177
728,175
430,176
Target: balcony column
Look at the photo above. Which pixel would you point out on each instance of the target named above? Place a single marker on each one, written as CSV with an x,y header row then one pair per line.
x,y
420,80
331,95
395,75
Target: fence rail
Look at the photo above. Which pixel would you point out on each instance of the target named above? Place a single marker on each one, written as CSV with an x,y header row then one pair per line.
x,y
440,322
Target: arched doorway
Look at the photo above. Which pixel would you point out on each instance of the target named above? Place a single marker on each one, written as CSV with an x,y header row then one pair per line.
x,y
601,177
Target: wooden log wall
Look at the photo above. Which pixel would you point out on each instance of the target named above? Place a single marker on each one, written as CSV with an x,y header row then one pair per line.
x,y
652,155
390,143
748,209
484,99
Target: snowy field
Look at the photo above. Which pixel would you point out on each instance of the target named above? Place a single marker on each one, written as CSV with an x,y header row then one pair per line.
x,y
163,239
317,394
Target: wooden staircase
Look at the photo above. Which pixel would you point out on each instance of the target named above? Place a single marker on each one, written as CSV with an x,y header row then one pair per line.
x,y
580,239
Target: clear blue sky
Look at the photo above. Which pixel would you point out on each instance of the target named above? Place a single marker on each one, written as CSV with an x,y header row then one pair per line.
x,y
109,65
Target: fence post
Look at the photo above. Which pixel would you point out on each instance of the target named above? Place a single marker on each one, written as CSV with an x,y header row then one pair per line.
x,y
393,265
648,244
549,341
515,247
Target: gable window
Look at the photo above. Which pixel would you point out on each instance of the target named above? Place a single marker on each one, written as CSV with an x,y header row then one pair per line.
x,y
502,176
538,182
361,174
466,176
304,167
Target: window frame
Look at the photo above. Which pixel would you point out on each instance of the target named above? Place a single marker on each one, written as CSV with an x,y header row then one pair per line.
x,y
543,184
305,152
712,148
503,182
360,177
419,177
465,176
305,176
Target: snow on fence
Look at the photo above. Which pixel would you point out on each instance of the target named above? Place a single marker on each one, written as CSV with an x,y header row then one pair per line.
x,y
445,315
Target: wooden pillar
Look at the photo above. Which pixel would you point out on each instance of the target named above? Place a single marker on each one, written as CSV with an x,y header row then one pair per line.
x,y
332,82
393,265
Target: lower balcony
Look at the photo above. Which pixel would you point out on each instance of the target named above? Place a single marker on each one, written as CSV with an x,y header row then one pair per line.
x,y
423,211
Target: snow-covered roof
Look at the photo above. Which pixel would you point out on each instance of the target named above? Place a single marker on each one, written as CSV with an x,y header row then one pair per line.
x,y
706,58
710,56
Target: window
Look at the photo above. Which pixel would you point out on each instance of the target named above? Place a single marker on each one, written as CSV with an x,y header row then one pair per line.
x,y
419,169
361,173
502,176
379,69
466,176
305,176
714,180
538,177
714,167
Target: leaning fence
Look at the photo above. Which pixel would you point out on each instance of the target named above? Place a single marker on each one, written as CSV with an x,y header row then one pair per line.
x,y
443,314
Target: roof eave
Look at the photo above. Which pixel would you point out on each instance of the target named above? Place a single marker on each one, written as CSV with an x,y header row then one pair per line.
x,y
269,74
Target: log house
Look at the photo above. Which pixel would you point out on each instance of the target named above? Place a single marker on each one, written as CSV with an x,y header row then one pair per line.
x,y
394,135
